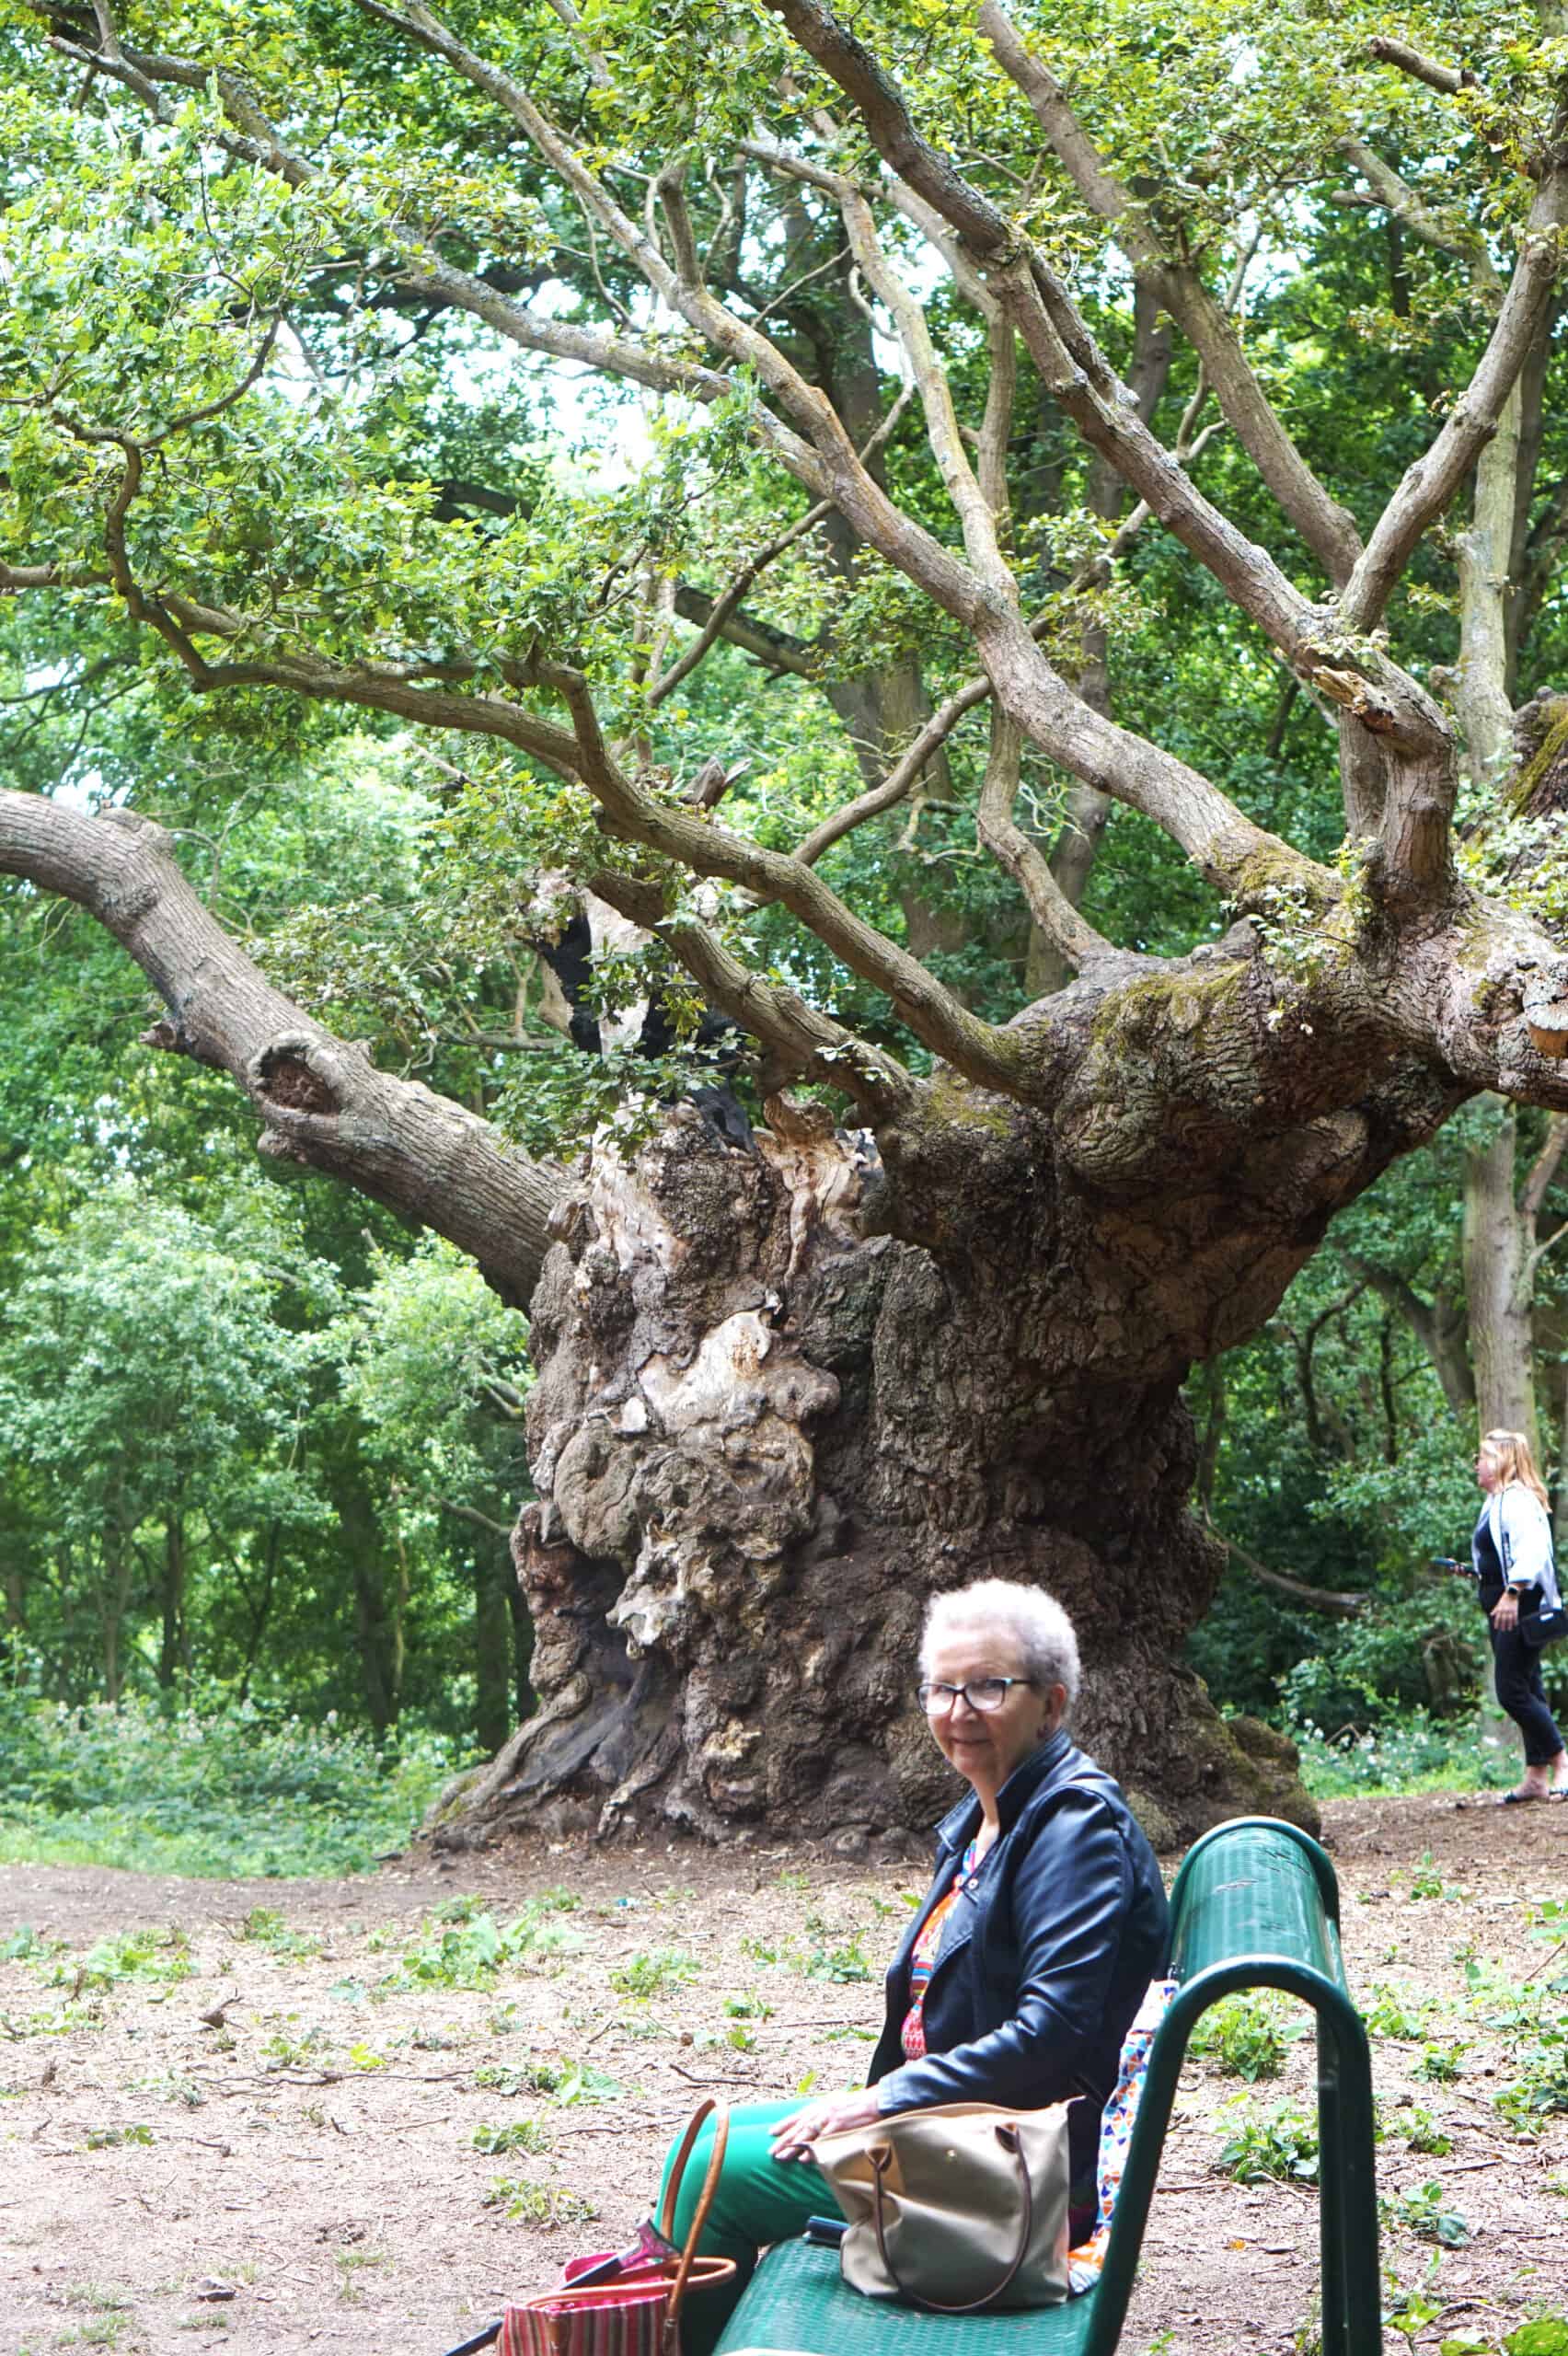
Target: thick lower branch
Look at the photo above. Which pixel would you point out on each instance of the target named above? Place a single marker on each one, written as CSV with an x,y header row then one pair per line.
x,y
321,1102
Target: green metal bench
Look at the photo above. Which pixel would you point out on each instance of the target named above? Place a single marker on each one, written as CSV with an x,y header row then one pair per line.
x,y
1255,1905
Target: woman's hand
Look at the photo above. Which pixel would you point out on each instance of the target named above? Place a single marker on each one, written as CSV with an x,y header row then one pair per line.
x,y
793,2137
1506,1610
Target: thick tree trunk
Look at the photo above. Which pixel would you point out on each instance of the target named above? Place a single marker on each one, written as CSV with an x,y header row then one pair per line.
x,y
787,1393
173,1653
1497,1287
495,1698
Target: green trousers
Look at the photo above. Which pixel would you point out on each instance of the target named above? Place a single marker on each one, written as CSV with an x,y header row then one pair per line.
x,y
759,2200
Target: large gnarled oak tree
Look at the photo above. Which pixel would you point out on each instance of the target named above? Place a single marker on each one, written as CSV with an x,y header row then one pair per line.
x,y
792,1379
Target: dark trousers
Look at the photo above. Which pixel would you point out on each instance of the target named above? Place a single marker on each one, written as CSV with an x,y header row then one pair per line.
x,y
1522,1694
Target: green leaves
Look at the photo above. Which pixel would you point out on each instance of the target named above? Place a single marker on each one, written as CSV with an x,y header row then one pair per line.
x,y
1425,2213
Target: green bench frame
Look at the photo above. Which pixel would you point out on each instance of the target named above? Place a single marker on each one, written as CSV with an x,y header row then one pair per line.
x,y
1255,1905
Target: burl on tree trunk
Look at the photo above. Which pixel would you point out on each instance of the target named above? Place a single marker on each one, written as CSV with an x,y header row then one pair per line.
x,y
789,1389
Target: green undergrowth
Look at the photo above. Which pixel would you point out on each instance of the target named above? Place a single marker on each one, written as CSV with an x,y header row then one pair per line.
x,y
1411,1752
232,1794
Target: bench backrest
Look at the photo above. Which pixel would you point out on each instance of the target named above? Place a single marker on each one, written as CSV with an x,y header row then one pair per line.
x,y
1256,1905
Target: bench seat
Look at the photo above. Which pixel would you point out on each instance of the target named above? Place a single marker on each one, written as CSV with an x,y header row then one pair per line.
x,y
1255,1905
798,2305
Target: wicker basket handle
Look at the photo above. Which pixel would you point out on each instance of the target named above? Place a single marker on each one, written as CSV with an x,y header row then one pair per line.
x,y
720,2113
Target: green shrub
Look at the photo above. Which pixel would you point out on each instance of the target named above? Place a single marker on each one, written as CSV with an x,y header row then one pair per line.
x,y
1243,2035
650,1972
231,1794
1423,2211
470,1950
541,2204
1391,2013
1541,2086
1409,1752
1282,2148
1420,2131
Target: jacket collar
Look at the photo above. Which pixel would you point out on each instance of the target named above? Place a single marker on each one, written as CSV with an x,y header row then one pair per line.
x,y
1041,1767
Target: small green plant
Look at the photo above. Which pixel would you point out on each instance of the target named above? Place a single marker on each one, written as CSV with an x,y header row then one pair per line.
x,y
25,1945
161,1956
496,2077
1243,2037
471,1951
1420,2131
518,2135
1409,2311
63,2020
109,2139
844,1963
1541,2086
1441,2065
1425,2213
102,2332
1544,2335
1391,2013
748,2006
266,1927
1282,2148
541,2204
352,2264
1426,1882
286,2051
564,2081
652,1972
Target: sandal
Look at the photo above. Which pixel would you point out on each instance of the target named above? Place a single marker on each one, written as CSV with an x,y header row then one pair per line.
x,y
1519,1799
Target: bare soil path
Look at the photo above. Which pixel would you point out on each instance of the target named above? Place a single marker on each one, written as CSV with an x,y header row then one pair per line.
x,y
272,2116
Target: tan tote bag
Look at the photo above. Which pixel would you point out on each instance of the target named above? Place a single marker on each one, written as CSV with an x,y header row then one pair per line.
x,y
956,2208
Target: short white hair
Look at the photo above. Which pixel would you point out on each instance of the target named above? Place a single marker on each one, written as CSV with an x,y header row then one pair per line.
x,y
1035,1620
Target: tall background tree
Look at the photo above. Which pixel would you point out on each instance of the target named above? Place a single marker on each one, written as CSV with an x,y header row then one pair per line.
x,y
1056,438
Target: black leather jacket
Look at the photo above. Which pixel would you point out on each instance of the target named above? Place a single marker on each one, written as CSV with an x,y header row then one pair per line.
x,y
1046,1955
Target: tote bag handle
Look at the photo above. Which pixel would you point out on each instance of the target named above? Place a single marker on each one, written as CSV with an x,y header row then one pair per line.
x,y
881,2158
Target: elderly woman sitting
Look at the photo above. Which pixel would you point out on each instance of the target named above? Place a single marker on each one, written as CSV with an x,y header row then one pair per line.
x,y
1023,1968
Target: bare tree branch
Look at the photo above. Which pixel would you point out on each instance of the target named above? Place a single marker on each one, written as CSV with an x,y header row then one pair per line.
x,y
1327,529
1433,479
1395,195
1071,934
724,607
899,778
1542,1171
983,1051
320,1100
974,514
1342,1603
1449,79
806,1043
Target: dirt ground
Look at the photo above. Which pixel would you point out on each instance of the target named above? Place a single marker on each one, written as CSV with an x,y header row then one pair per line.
x,y
266,2130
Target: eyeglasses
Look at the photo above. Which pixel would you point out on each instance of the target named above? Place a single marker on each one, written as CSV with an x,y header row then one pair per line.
x,y
982,1693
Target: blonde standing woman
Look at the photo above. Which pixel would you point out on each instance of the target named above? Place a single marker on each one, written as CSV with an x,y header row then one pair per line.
x,y
1511,1554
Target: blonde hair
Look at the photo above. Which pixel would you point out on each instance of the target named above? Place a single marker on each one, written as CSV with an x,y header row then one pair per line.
x,y
1034,1620
1514,1459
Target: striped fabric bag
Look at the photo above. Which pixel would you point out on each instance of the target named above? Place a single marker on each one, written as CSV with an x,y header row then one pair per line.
x,y
638,2313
